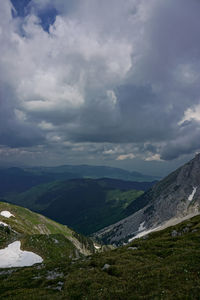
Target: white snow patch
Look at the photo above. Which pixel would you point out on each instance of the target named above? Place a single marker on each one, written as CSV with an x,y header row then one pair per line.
x,y
4,224
166,224
97,247
143,233
142,227
191,196
12,256
6,214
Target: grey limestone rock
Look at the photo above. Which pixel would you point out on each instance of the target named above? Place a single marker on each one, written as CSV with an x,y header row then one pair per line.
x,y
186,229
105,267
132,248
174,197
174,233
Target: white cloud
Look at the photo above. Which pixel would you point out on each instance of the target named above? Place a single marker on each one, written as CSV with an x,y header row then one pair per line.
x,y
187,74
54,138
125,156
153,157
191,114
53,71
20,115
112,97
110,151
100,78
46,125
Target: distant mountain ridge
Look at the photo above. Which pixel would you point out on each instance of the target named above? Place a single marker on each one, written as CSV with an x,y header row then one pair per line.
x,y
96,172
17,180
174,197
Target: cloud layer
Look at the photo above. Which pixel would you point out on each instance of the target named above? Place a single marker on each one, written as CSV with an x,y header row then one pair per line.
x,y
109,80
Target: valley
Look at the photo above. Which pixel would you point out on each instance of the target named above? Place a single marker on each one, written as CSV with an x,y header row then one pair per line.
x,y
151,252
86,205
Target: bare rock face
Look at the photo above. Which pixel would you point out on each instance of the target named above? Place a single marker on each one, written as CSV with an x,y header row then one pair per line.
x,y
176,196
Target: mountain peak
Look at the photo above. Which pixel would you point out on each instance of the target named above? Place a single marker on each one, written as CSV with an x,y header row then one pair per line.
x,y
173,198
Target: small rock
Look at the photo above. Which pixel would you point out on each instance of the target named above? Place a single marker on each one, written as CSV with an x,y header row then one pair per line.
x,y
60,285
37,277
175,233
106,267
132,248
7,272
53,275
40,266
77,254
185,230
194,230
59,288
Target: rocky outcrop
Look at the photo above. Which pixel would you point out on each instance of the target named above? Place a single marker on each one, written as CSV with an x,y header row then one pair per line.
x,y
176,196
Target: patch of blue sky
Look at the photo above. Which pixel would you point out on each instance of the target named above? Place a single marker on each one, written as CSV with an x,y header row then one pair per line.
x,y
23,8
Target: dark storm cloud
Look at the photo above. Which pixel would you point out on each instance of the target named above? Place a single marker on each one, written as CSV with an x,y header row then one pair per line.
x,y
14,132
123,84
187,142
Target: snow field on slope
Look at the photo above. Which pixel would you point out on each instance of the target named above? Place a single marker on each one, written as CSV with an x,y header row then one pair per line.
x,y
13,256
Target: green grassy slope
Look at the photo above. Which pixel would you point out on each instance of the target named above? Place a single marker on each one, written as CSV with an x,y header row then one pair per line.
x,y
86,205
40,234
164,265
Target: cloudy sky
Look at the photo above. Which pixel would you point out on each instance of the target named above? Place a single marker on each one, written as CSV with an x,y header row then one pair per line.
x,y
108,82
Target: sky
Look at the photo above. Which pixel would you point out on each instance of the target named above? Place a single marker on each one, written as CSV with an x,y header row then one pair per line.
x,y
102,82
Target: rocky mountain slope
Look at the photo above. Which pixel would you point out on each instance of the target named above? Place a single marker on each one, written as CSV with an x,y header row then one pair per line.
x,y
173,198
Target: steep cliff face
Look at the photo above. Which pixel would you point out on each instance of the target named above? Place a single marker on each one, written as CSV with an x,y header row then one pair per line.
x,y
175,197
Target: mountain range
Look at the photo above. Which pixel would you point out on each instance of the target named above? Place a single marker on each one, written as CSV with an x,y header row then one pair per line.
x,y
115,211
158,259
91,171
15,180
